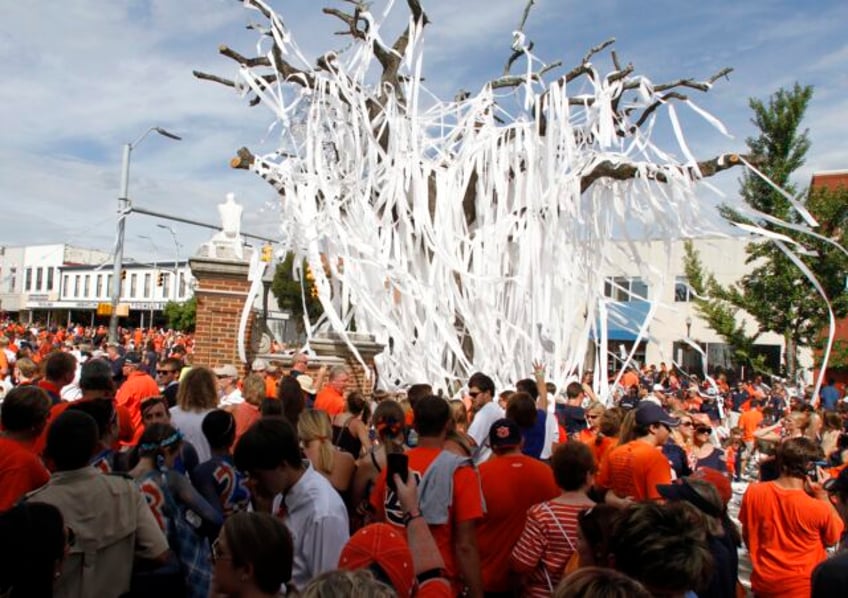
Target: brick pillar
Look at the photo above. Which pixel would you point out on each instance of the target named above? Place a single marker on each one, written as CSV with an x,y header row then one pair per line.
x,y
222,289
330,344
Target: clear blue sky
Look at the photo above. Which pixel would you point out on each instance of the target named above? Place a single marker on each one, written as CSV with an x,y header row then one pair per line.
x,y
81,78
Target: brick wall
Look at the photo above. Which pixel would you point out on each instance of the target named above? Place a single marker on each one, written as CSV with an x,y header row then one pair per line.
x,y
222,289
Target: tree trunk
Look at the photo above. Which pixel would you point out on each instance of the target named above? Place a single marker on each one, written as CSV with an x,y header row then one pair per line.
x,y
790,355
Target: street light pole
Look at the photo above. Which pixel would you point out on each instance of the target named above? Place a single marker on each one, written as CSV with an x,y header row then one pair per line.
x,y
171,230
123,210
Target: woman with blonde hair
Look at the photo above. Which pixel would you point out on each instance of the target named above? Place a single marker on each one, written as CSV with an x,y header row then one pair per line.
x,y
315,432
197,396
593,415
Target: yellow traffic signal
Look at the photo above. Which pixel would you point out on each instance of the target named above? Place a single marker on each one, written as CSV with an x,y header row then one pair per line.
x,y
267,253
123,274
160,279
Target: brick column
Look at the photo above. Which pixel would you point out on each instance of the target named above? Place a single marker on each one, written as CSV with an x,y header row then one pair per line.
x,y
222,289
330,344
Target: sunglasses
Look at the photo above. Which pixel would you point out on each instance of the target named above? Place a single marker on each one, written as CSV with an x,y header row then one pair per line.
x,y
703,430
474,394
686,424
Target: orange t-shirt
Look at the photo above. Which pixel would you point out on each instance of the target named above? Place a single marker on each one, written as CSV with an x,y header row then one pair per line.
x,y
245,415
629,379
270,387
749,422
786,532
634,469
133,391
330,400
467,502
511,484
21,471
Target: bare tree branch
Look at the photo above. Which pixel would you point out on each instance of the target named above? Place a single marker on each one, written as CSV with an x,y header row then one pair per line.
x,y
214,78
243,60
626,171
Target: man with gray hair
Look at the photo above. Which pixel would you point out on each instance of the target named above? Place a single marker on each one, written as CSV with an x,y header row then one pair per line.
x,y
331,398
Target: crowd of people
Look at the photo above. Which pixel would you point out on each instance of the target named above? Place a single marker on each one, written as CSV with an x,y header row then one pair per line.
x,y
127,469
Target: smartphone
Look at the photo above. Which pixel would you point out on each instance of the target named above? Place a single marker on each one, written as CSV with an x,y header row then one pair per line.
x,y
398,463
813,470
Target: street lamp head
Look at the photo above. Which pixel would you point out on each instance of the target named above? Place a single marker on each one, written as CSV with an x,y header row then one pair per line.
x,y
162,131
688,321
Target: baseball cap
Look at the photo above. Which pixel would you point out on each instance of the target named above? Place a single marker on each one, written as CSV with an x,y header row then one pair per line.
x,y
227,370
259,365
681,490
658,388
132,358
717,479
381,545
504,433
648,413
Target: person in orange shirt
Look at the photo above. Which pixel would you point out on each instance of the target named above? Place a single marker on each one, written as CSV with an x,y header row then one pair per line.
x,y
788,523
455,529
24,416
137,387
749,421
512,483
632,471
331,397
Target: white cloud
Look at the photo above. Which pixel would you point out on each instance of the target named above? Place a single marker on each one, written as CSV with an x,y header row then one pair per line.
x,y
82,78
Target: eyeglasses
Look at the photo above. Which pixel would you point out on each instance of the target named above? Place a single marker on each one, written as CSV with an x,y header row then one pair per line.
x,y
686,424
703,430
217,555
473,394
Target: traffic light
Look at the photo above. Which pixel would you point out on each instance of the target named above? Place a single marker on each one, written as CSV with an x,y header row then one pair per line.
x,y
160,279
123,274
267,253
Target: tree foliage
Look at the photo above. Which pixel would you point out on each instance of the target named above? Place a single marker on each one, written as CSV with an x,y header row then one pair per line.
x,y
291,294
181,315
776,293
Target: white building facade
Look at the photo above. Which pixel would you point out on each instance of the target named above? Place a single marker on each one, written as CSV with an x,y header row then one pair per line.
x,y
676,334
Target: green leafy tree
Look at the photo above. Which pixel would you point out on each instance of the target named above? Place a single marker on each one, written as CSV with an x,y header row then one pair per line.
x,y
776,293
181,316
290,292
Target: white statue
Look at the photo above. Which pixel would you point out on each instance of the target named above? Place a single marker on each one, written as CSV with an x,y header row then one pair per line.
x,y
227,243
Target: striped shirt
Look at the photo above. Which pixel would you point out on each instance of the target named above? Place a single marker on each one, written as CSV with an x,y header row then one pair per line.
x,y
543,550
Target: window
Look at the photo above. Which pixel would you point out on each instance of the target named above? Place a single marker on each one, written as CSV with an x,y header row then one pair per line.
x,y
147,278
77,285
87,288
13,279
133,285
39,278
99,286
66,281
108,285
682,290
166,285
28,280
49,279
623,288
182,284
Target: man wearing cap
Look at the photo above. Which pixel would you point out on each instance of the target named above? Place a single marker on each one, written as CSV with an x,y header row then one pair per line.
x,y
633,470
138,385
229,394
512,483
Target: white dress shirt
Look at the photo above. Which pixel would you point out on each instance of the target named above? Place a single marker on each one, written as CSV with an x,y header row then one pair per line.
x,y
480,426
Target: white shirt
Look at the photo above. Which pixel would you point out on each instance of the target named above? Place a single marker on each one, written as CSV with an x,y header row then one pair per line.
x,y
317,520
551,435
233,398
190,424
480,426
